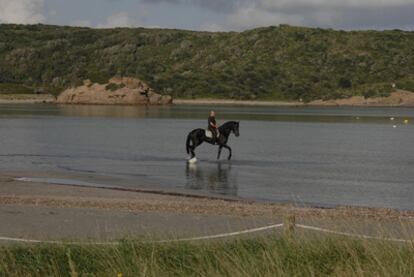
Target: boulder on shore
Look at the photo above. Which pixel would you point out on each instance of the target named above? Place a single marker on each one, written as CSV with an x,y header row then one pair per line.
x,y
119,90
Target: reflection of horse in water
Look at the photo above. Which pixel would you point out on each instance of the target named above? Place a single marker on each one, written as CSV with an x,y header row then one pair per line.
x,y
213,179
198,136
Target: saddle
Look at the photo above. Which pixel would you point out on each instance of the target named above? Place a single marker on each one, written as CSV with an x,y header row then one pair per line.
x,y
209,134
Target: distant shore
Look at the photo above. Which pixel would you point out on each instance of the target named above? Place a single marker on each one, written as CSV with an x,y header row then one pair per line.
x,y
26,98
235,102
399,98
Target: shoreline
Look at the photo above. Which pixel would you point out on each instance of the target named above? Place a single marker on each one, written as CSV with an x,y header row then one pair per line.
x,y
27,99
63,212
399,98
211,102
13,190
229,102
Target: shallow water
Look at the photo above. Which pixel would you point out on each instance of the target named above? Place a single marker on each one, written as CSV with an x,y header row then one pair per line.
x,y
311,156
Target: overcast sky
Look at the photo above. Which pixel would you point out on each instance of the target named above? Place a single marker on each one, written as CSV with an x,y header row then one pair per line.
x,y
212,15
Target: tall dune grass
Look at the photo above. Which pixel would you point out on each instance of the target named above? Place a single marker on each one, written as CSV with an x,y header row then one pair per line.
x,y
264,256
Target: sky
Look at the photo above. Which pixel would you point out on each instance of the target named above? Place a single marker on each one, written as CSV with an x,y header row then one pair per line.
x,y
213,15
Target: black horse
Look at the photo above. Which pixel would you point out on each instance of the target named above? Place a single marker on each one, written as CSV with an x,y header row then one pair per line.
x,y
198,136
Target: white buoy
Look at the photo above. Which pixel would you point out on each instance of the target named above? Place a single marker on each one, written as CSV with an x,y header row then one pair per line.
x,y
394,126
392,118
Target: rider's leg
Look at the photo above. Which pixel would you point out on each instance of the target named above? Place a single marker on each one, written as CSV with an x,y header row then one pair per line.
x,y
214,135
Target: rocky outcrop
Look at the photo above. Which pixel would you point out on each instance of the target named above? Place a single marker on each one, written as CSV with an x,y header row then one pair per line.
x,y
119,90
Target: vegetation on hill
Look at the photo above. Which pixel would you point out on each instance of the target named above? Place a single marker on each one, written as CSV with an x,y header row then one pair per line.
x,y
278,63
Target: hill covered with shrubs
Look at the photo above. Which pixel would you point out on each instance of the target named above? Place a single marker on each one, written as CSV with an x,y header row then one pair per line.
x,y
272,63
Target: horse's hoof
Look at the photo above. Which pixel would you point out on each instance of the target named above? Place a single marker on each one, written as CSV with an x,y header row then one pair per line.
x,y
192,160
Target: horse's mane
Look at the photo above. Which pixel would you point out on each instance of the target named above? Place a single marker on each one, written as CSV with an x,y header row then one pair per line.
x,y
227,124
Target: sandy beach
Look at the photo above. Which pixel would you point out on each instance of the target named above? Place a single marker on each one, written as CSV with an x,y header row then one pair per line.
x,y
235,102
47,211
26,98
396,99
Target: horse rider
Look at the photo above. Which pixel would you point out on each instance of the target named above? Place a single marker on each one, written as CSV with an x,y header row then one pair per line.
x,y
212,126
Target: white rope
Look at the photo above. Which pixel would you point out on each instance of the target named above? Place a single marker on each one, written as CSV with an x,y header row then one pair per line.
x,y
19,240
227,234
312,228
56,242
224,235
157,241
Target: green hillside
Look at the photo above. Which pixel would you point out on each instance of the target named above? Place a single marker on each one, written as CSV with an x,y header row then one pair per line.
x,y
278,63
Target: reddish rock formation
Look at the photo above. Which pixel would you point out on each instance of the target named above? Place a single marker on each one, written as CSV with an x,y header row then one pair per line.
x,y
119,90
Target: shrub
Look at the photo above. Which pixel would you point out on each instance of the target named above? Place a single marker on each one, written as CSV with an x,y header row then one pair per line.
x,y
114,87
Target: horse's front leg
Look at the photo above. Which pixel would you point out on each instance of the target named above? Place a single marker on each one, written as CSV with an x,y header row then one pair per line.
x,y
192,149
228,148
219,152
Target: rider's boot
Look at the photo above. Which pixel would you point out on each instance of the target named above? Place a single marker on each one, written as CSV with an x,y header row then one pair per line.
x,y
215,138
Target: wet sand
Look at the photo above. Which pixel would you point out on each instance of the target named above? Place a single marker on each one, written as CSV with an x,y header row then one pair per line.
x,y
59,212
257,103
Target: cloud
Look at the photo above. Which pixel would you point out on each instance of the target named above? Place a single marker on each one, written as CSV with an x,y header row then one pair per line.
x,y
211,27
214,5
22,11
81,23
343,14
225,14
121,19
284,4
231,5
251,17
348,14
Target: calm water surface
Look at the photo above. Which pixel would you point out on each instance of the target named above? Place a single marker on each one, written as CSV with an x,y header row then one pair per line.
x,y
310,156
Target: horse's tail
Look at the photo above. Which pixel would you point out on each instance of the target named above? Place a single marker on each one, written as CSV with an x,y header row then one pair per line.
x,y
187,144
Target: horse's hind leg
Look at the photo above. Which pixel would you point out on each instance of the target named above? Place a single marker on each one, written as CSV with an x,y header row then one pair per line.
x,y
219,152
192,148
228,148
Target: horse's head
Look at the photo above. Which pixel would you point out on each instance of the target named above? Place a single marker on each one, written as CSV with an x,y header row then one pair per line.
x,y
236,128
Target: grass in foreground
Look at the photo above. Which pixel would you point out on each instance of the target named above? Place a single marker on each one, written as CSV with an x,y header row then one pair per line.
x,y
333,256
